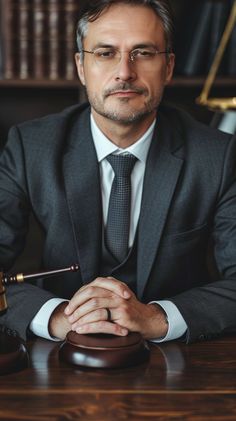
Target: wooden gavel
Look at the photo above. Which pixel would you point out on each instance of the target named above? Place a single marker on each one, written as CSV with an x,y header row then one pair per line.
x,y
20,277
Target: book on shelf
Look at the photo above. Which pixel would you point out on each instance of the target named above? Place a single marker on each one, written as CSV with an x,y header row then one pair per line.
x,y
200,33
62,38
54,37
1,46
231,62
1,61
191,51
8,38
70,18
38,38
231,52
220,14
24,37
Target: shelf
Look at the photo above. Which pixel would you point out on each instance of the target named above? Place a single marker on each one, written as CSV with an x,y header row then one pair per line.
x,y
186,81
177,82
39,83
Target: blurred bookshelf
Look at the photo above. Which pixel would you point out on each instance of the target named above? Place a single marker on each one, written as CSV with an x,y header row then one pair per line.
x,y
37,45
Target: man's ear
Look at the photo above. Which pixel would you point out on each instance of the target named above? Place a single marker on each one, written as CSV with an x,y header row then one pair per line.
x,y
170,68
80,67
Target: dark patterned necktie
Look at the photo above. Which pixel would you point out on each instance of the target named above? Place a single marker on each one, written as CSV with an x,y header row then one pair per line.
x,y
118,220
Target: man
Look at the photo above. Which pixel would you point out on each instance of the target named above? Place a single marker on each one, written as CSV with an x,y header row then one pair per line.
x,y
153,277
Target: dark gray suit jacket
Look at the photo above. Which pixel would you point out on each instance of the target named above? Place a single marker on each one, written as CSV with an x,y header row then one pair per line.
x,y
187,219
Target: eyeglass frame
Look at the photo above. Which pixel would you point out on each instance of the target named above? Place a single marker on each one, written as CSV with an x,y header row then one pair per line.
x,y
130,53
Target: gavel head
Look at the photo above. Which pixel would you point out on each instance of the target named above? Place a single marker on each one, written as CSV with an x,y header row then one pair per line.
x,y
3,301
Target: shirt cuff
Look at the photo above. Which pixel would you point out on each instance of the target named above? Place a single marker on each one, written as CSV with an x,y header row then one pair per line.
x,y
176,323
39,324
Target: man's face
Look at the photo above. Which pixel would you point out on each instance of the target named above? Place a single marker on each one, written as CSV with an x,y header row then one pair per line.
x,y
129,91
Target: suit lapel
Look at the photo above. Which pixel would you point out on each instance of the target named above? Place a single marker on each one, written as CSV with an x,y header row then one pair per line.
x,y
82,184
162,171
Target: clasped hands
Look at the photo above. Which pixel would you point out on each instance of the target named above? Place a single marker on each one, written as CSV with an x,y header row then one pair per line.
x,y
107,305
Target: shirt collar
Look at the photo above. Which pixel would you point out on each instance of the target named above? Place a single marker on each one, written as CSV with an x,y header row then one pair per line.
x,y
105,147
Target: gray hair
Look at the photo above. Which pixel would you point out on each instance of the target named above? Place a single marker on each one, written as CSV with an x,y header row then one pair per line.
x,y
94,9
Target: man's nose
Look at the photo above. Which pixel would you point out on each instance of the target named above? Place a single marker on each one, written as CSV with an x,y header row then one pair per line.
x,y
125,69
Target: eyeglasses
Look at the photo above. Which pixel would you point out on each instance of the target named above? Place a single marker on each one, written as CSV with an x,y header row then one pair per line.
x,y
110,57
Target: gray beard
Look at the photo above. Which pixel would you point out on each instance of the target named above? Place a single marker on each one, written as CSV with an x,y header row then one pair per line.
x,y
131,117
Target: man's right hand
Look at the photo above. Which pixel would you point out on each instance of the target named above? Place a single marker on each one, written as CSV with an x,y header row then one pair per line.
x,y
59,324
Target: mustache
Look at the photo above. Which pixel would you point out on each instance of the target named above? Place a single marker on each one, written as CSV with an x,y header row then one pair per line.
x,y
125,86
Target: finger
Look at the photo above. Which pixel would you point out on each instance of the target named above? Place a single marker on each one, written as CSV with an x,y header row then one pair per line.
x,y
85,294
99,287
93,316
102,327
113,285
94,303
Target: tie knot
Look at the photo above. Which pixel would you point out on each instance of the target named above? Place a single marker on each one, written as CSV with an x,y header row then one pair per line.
x,y
122,164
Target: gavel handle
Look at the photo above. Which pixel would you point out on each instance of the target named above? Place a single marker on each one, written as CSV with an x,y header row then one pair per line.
x,y
73,268
20,277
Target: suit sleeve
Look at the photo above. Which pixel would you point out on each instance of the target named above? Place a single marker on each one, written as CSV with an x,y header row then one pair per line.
x,y
210,310
23,300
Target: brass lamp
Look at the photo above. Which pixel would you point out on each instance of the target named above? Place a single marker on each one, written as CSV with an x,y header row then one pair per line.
x,y
219,104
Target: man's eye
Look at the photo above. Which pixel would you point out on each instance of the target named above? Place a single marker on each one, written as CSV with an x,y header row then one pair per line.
x,y
144,53
104,53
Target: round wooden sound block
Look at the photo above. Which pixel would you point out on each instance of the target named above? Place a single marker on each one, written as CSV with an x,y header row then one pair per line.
x,y
104,351
13,354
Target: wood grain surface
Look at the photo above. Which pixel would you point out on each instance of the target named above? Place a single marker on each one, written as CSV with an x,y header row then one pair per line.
x,y
180,382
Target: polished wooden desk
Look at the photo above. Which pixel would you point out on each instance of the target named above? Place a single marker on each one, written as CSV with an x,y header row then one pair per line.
x,y
180,382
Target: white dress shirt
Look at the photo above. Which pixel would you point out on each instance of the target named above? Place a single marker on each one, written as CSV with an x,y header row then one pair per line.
x,y
104,147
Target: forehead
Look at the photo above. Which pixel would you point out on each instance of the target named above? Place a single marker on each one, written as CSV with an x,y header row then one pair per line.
x,y
124,24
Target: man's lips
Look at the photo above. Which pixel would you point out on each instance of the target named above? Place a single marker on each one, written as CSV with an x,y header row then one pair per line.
x,y
124,90
124,93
